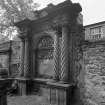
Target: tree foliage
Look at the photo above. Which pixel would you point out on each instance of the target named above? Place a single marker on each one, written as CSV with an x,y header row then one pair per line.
x,y
12,11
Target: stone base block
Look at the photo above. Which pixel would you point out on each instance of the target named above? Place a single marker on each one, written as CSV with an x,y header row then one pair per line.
x,y
54,93
24,87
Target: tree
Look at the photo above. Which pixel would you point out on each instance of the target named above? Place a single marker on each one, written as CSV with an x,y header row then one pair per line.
x,y
12,11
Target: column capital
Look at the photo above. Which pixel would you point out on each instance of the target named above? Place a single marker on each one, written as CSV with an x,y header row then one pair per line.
x,y
24,38
66,25
23,32
57,28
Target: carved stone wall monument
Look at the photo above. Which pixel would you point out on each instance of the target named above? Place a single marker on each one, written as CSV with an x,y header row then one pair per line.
x,y
50,46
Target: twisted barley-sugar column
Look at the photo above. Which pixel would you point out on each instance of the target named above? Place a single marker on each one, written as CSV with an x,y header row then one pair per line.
x,y
64,54
26,58
56,56
21,67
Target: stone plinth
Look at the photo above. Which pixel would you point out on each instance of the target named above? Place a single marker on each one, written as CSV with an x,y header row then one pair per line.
x,y
54,93
23,86
4,83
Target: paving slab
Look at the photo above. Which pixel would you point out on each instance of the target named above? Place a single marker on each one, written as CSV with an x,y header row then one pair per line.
x,y
25,100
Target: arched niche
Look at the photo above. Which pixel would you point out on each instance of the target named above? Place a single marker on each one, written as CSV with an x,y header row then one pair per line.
x,y
44,57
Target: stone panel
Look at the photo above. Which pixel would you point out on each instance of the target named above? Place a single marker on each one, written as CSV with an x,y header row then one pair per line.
x,y
16,51
53,93
15,57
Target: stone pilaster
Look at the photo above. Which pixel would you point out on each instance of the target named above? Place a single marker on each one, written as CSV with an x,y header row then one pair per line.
x,y
26,58
10,53
56,56
21,67
64,54
24,69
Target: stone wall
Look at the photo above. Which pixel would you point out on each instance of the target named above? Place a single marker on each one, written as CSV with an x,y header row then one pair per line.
x,y
94,75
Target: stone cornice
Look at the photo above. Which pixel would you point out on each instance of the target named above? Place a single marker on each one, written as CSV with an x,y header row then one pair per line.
x,y
5,47
59,15
4,51
66,7
86,44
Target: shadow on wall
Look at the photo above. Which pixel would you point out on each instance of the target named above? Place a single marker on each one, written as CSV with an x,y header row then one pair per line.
x,y
75,96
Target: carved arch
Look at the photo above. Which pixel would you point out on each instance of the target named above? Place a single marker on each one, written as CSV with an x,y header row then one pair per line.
x,y
44,48
38,36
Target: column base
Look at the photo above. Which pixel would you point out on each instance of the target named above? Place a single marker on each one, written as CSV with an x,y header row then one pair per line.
x,y
3,100
4,84
23,86
60,94
63,82
55,93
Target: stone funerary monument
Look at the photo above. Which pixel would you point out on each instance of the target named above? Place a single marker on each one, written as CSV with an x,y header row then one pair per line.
x,y
50,59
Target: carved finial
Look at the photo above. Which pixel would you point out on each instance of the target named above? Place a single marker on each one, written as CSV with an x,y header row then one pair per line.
x,y
77,7
68,0
50,5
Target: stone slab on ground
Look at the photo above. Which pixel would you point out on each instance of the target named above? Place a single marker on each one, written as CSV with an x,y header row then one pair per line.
x,y
26,100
